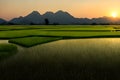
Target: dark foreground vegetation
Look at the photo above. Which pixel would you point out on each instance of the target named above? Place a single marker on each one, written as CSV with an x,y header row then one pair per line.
x,y
59,71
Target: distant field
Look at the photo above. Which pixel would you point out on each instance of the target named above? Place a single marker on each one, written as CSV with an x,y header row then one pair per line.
x,y
61,31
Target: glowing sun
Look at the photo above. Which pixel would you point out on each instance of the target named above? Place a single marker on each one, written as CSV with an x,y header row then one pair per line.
x,y
114,14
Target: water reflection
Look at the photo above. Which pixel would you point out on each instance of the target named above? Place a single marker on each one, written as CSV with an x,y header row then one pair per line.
x,y
3,41
93,56
74,49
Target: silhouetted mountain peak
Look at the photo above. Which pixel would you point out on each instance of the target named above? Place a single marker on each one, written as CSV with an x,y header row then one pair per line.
x,y
34,13
60,12
63,13
2,21
49,13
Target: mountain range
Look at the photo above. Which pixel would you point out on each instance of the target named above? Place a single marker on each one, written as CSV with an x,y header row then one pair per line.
x,y
2,21
60,17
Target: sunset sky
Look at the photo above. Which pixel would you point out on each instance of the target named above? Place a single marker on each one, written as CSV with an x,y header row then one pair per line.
x,y
78,8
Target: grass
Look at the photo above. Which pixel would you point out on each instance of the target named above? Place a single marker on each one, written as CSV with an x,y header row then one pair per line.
x,y
7,50
31,41
26,32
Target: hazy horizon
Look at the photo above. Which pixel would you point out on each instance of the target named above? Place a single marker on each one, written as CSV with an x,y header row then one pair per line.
x,y
78,8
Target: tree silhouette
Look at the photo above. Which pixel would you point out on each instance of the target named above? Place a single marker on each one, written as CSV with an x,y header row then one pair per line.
x,y
46,21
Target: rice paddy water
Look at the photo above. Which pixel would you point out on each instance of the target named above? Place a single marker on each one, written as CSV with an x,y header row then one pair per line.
x,y
96,58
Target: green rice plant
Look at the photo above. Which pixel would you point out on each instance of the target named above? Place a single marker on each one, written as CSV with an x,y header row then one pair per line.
x,y
52,27
7,50
31,41
68,31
